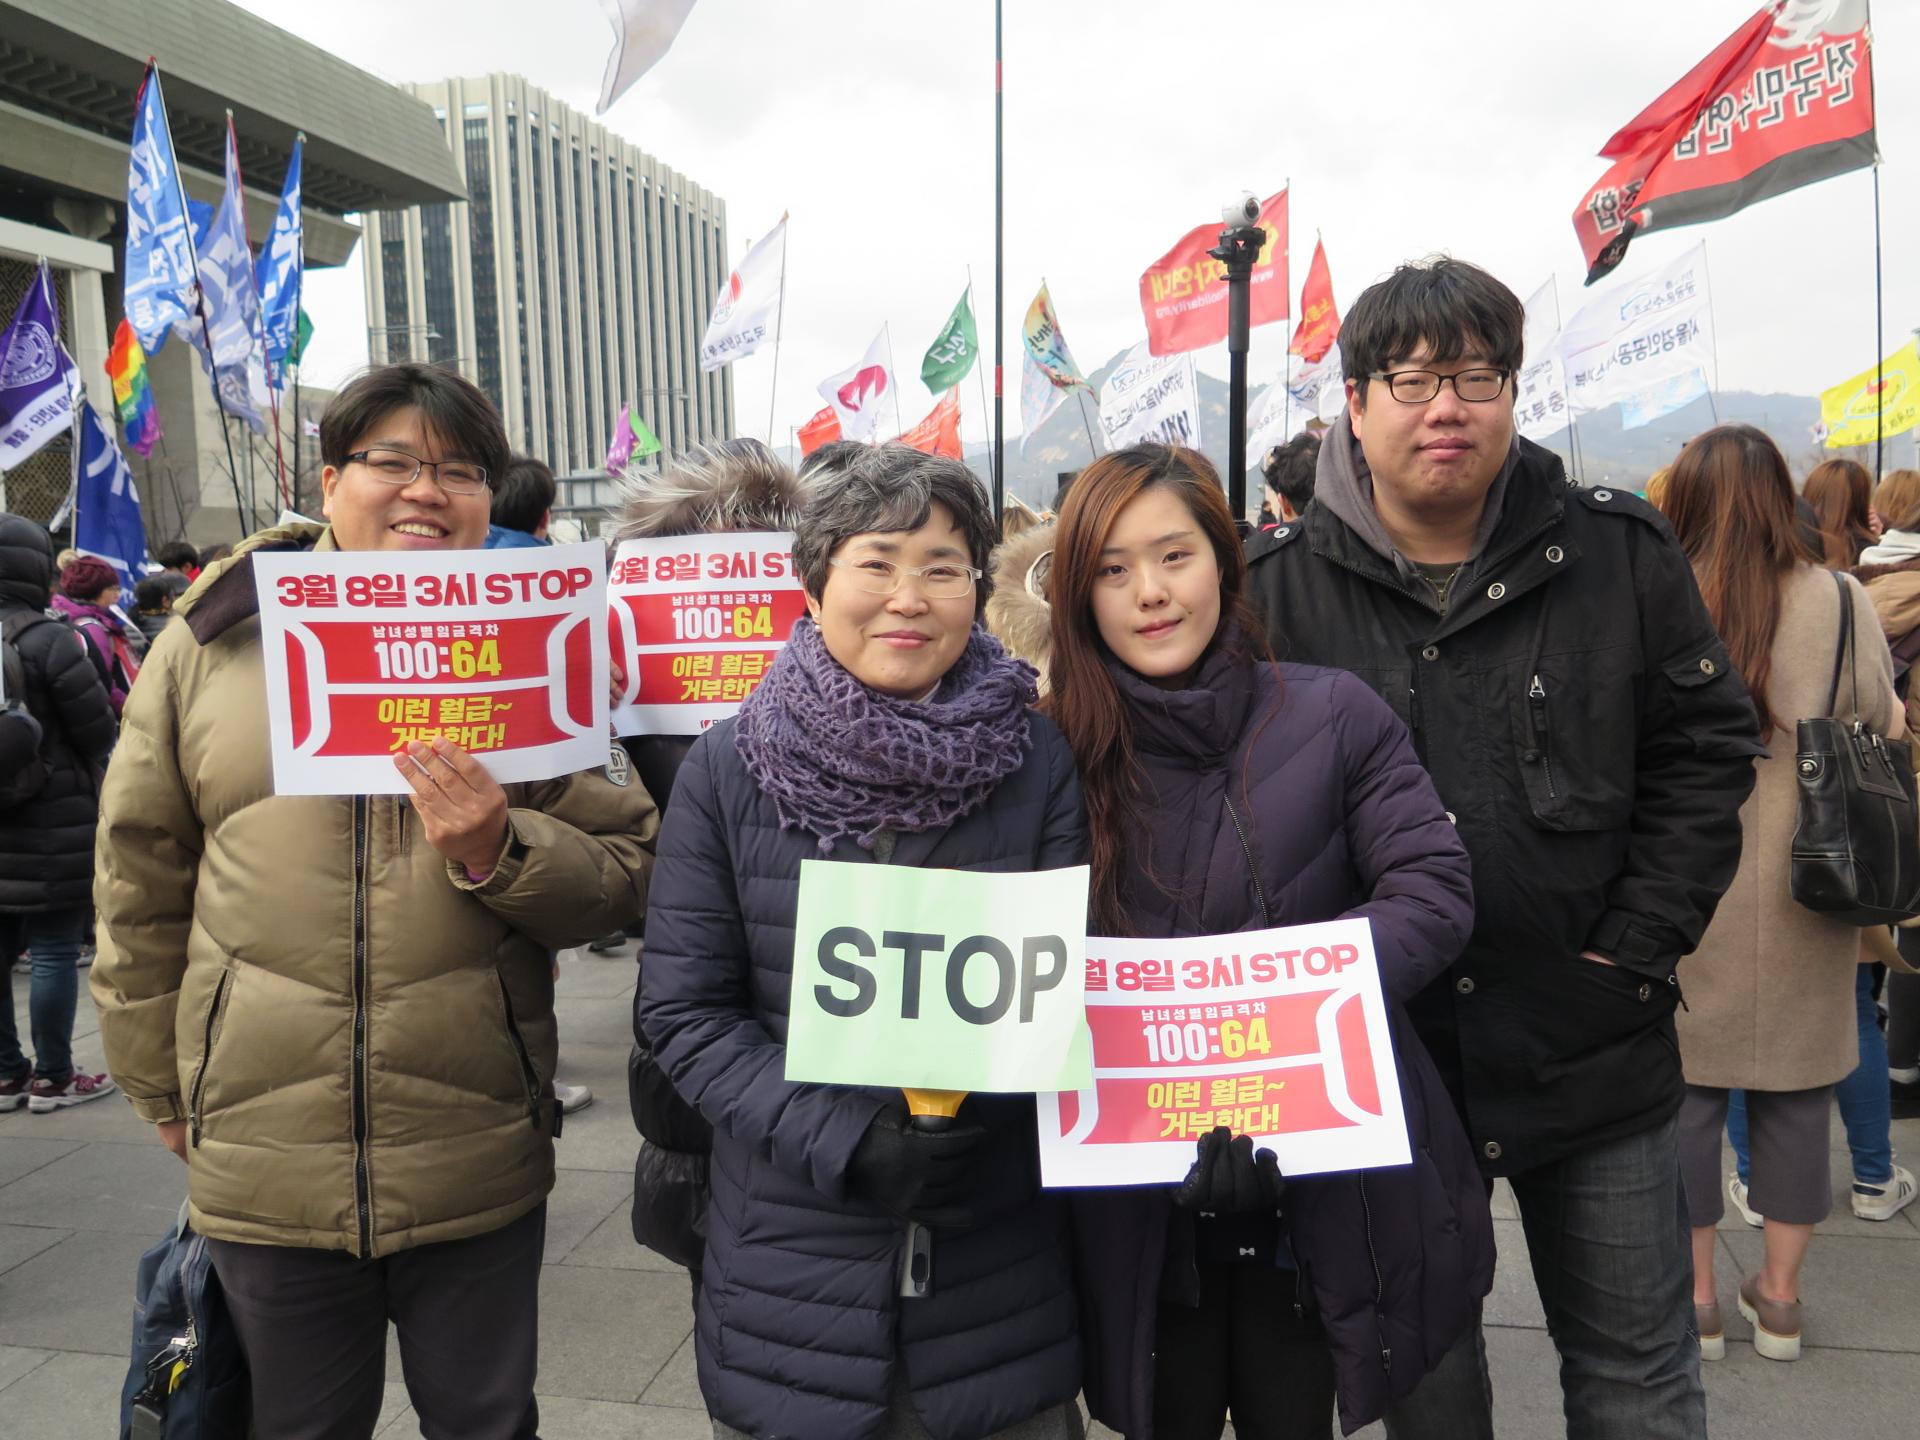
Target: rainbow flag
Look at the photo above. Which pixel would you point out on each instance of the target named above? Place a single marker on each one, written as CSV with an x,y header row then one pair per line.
x,y
132,395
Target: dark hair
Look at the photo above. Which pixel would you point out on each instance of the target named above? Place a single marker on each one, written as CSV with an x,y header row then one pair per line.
x,y
1841,494
523,494
151,594
1084,701
211,553
454,410
1289,469
1730,500
834,455
177,554
891,488
1442,305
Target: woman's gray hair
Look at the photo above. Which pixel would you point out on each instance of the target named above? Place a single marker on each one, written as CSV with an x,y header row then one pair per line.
x,y
890,488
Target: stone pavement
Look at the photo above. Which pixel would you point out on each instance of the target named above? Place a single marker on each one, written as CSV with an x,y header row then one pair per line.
x,y
84,1191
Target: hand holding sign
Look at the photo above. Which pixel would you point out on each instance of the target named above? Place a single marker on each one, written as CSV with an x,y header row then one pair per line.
x,y
462,807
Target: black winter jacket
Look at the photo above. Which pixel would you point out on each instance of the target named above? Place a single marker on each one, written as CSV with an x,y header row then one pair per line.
x,y
1591,740
1304,774
798,1330
46,843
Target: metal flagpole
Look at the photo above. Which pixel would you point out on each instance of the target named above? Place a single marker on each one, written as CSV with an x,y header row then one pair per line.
x,y
999,273
1093,449
1713,403
240,507
1573,425
980,371
893,372
1879,341
295,367
779,324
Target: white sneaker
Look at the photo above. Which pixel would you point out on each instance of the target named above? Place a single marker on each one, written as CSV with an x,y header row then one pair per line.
x,y
572,1097
1910,1075
1883,1202
1737,1192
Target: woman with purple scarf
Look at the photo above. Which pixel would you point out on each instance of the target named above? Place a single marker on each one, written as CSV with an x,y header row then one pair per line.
x,y
892,730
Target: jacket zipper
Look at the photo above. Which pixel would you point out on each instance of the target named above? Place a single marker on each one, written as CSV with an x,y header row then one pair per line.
x,y
362,1187
1379,1284
206,1057
527,1076
1253,870
1542,733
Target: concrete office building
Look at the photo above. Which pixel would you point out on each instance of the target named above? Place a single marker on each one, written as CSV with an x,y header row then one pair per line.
x,y
576,278
69,73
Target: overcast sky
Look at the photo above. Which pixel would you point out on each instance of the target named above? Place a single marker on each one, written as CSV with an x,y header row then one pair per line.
x,y
1405,127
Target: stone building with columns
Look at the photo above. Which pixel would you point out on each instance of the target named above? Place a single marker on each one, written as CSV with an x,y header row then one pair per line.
x,y
69,74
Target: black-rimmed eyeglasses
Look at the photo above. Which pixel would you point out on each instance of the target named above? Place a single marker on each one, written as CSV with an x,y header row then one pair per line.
x,y
1417,387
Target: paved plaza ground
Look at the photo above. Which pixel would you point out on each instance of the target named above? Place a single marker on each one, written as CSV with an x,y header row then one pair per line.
x,y
84,1191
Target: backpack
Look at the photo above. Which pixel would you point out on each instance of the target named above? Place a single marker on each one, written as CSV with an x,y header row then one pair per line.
x,y
187,1379
23,768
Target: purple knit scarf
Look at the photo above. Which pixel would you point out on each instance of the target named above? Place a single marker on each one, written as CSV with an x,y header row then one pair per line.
x,y
840,759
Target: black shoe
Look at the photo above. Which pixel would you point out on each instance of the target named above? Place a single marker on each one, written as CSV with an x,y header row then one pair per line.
x,y
608,942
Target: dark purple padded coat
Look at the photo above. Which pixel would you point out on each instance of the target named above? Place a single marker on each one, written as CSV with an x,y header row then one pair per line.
x,y
1307,773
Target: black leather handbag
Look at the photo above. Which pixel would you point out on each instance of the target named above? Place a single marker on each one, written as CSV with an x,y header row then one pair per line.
x,y
1856,849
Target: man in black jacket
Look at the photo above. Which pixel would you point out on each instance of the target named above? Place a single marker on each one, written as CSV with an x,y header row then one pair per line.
x,y
46,836
1549,650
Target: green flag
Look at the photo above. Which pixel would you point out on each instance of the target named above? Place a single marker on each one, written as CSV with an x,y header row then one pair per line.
x,y
645,442
303,332
952,355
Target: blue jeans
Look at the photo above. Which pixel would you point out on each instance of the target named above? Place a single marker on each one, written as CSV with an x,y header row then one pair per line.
x,y
1608,1236
1866,1106
54,938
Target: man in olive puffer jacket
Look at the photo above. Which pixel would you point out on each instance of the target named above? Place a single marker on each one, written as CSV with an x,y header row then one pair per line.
x,y
339,1009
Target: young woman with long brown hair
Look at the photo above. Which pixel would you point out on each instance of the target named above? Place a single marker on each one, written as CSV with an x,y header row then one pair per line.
x,y
1228,793
1771,989
1841,494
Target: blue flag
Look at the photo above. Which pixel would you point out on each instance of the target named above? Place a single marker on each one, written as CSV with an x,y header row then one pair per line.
x,y
159,257
106,506
38,379
238,365
280,269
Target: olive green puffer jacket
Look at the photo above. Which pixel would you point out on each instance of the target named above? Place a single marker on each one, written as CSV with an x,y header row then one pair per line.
x,y
361,1038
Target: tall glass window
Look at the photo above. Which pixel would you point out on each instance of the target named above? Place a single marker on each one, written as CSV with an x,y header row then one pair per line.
x,y
522,279
486,293
393,284
569,277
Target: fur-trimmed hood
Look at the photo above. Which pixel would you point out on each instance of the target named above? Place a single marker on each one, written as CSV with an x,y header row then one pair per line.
x,y
1895,592
704,492
1017,610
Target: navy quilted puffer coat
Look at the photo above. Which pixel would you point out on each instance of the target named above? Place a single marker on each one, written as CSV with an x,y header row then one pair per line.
x,y
1341,821
799,1331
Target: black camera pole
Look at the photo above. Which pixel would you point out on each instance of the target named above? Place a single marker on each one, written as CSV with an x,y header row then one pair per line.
x,y
1238,249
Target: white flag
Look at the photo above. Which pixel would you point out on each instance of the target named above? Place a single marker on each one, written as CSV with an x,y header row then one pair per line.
x,y
1658,327
1319,391
1540,389
748,305
1269,420
642,32
1151,399
862,394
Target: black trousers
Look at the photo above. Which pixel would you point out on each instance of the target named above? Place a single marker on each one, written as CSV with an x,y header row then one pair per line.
x,y
313,1326
1243,1349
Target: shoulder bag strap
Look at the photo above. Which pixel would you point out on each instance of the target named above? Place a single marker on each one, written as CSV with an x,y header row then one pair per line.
x,y
1842,648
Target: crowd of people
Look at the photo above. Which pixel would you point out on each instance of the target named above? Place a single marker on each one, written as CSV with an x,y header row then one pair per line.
x,y
1540,737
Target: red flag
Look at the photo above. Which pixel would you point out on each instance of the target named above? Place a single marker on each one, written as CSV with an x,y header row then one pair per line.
x,y
939,433
1184,293
1786,100
1319,320
822,429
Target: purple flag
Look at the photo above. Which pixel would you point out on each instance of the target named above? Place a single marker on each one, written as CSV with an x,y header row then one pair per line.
x,y
38,379
621,451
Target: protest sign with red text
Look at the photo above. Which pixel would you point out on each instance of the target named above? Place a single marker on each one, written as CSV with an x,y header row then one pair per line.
x,y
1277,1034
499,651
696,623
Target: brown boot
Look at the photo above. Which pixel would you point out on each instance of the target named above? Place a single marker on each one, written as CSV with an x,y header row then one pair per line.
x,y
1776,1326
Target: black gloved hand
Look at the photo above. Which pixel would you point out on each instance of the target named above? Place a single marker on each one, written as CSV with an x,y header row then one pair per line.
x,y
922,1175
1229,1178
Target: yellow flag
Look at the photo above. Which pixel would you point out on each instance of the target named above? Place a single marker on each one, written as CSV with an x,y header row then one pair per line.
x,y
1883,401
